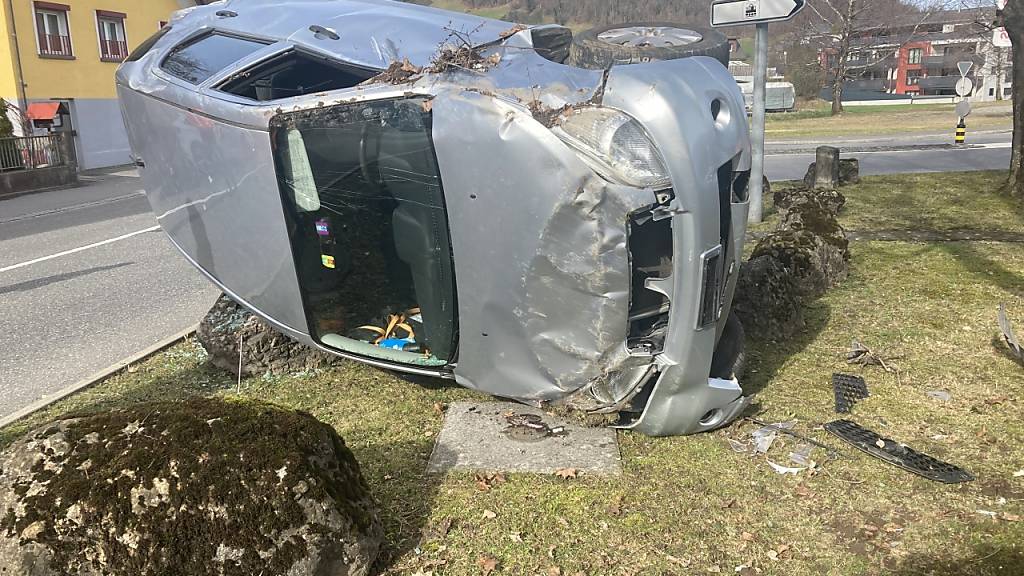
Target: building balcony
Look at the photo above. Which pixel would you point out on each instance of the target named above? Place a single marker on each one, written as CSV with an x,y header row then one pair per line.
x,y
867,85
950,60
113,50
937,82
55,46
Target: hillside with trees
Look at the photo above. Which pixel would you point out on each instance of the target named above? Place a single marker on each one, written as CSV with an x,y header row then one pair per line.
x,y
598,12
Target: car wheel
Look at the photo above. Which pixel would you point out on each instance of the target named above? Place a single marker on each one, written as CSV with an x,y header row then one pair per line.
x,y
730,357
637,42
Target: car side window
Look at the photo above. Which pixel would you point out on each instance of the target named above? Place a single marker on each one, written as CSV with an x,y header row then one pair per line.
x,y
198,59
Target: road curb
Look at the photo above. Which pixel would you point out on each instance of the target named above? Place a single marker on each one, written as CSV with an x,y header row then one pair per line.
x,y
98,377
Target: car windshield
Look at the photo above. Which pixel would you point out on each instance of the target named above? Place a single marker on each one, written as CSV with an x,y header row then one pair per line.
x,y
369,230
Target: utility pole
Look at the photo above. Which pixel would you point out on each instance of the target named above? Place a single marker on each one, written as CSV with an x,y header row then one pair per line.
x,y
759,13
756,196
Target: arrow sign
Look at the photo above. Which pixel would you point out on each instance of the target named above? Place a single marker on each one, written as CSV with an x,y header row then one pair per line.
x,y
965,67
739,12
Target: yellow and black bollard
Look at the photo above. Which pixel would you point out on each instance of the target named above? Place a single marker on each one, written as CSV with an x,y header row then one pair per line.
x,y
961,132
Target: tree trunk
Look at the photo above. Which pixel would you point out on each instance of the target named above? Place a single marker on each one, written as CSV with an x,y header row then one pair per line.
x,y
841,57
837,90
1013,20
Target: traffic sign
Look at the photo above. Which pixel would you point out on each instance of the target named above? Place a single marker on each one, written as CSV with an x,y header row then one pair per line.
x,y
964,86
1000,39
963,108
740,12
965,67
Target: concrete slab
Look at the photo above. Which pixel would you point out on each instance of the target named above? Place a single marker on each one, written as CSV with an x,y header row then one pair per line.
x,y
478,436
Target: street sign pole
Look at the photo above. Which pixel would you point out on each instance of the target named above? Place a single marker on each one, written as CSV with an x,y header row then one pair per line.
x,y
756,196
759,13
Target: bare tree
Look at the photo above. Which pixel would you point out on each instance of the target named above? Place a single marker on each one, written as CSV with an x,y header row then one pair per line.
x,y
837,26
1012,18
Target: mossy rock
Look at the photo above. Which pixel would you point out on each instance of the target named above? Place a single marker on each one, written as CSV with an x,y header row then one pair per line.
x,y
264,350
766,300
831,201
815,264
199,487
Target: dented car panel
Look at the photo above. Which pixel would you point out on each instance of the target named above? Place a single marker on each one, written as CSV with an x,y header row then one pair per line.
x,y
571,284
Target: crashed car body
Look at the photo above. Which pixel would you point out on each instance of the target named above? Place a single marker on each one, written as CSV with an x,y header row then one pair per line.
x,y
440,194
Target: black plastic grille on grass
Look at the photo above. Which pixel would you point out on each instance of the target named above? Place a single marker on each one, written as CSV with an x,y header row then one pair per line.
x,y
849,389
898,454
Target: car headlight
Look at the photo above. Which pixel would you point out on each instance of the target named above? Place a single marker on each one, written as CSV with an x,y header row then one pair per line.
x,y
617,145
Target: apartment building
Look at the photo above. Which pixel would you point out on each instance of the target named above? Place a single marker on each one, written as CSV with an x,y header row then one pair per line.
x,y
57,68
918,55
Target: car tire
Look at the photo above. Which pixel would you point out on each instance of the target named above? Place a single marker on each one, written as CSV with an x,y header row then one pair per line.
x,y
730,357
607,45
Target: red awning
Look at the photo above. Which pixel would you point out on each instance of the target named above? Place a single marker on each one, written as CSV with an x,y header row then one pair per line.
x,y
43,110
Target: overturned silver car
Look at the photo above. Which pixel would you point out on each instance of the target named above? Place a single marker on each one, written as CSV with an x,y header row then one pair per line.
x,y
441,194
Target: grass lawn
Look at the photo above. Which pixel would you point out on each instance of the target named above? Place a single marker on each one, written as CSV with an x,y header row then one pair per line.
x,y
936,202
816,120
498,12
692,505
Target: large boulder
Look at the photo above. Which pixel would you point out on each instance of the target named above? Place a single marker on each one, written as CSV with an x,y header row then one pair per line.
x,y
203,487
228,325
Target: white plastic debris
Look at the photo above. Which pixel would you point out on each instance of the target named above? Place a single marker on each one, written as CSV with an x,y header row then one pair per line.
x,y
765,436
784,469
988,513
801,455
738,446
1019,473
939,395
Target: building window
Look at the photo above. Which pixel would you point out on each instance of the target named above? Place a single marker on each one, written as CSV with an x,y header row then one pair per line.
x,y
912,77
113,43
52,30
914,55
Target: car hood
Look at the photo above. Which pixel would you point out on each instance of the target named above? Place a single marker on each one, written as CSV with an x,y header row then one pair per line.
x,y
371,33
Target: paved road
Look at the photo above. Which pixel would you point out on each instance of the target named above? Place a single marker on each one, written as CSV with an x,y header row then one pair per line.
x,y
989,151
85,281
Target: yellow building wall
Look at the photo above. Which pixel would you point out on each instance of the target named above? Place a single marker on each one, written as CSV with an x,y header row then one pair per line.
x,y
8,78
85,77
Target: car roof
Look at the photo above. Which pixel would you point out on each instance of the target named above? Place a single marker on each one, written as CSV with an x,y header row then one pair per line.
x,y
372,33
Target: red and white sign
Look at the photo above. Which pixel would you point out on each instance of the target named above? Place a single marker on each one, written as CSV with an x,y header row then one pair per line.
x,y
1000,39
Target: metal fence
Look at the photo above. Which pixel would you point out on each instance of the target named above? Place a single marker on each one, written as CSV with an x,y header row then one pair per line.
x,y
31,152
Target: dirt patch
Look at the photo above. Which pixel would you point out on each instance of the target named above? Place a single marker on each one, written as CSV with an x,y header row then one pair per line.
x,y
868,534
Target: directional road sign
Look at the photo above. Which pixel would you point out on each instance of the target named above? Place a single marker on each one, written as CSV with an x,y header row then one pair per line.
x,y
739,12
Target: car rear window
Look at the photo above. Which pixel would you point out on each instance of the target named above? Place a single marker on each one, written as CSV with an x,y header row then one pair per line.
x,y
198,59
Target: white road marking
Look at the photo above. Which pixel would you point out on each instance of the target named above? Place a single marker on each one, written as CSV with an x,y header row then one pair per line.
x,y
969,147
74,207
79,249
